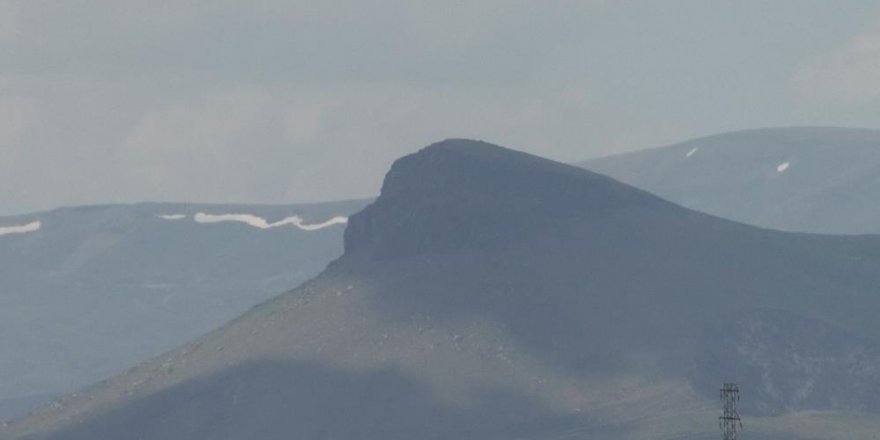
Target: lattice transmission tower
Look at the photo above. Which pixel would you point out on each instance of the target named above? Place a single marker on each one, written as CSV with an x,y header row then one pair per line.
x,y
729,421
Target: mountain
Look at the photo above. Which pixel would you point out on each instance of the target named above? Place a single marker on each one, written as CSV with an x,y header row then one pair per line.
x,y
90,291
809,179
491,294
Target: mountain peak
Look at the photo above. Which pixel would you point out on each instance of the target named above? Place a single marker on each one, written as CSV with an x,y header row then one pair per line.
x,y
461,193
463,162
463,144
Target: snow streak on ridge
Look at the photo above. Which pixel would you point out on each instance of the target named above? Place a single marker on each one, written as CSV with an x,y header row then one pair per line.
x,y
30,227
261,223
173,216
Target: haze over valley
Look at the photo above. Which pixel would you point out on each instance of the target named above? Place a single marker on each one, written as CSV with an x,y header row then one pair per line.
x,y
91,291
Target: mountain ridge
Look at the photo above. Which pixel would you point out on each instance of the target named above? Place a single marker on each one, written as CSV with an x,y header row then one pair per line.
x,y
590,325
93,290
806,179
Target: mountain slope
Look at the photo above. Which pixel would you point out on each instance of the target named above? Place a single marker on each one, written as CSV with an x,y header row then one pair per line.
x,y
89,291
808,179
493,294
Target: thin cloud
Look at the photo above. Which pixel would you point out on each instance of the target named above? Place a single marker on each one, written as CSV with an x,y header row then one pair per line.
x,y
848,73
295,101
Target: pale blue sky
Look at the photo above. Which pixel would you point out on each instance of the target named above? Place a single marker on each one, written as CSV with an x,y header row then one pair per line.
x,y
287,101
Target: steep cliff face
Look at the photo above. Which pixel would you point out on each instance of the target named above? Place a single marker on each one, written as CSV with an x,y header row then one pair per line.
x,y
459,194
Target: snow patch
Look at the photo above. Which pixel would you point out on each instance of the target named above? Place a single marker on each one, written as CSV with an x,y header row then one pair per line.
x,y
692,152
173,216
783,167
261,223
23,229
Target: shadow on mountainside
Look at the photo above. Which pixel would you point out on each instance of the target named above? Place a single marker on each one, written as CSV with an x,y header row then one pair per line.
x,y
282,400
593,273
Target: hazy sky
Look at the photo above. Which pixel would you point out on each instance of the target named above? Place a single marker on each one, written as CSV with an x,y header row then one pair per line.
x,y
283,101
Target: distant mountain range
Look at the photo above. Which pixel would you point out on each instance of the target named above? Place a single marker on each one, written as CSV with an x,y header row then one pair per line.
x,y
823,180
491,294
89,274
87,292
